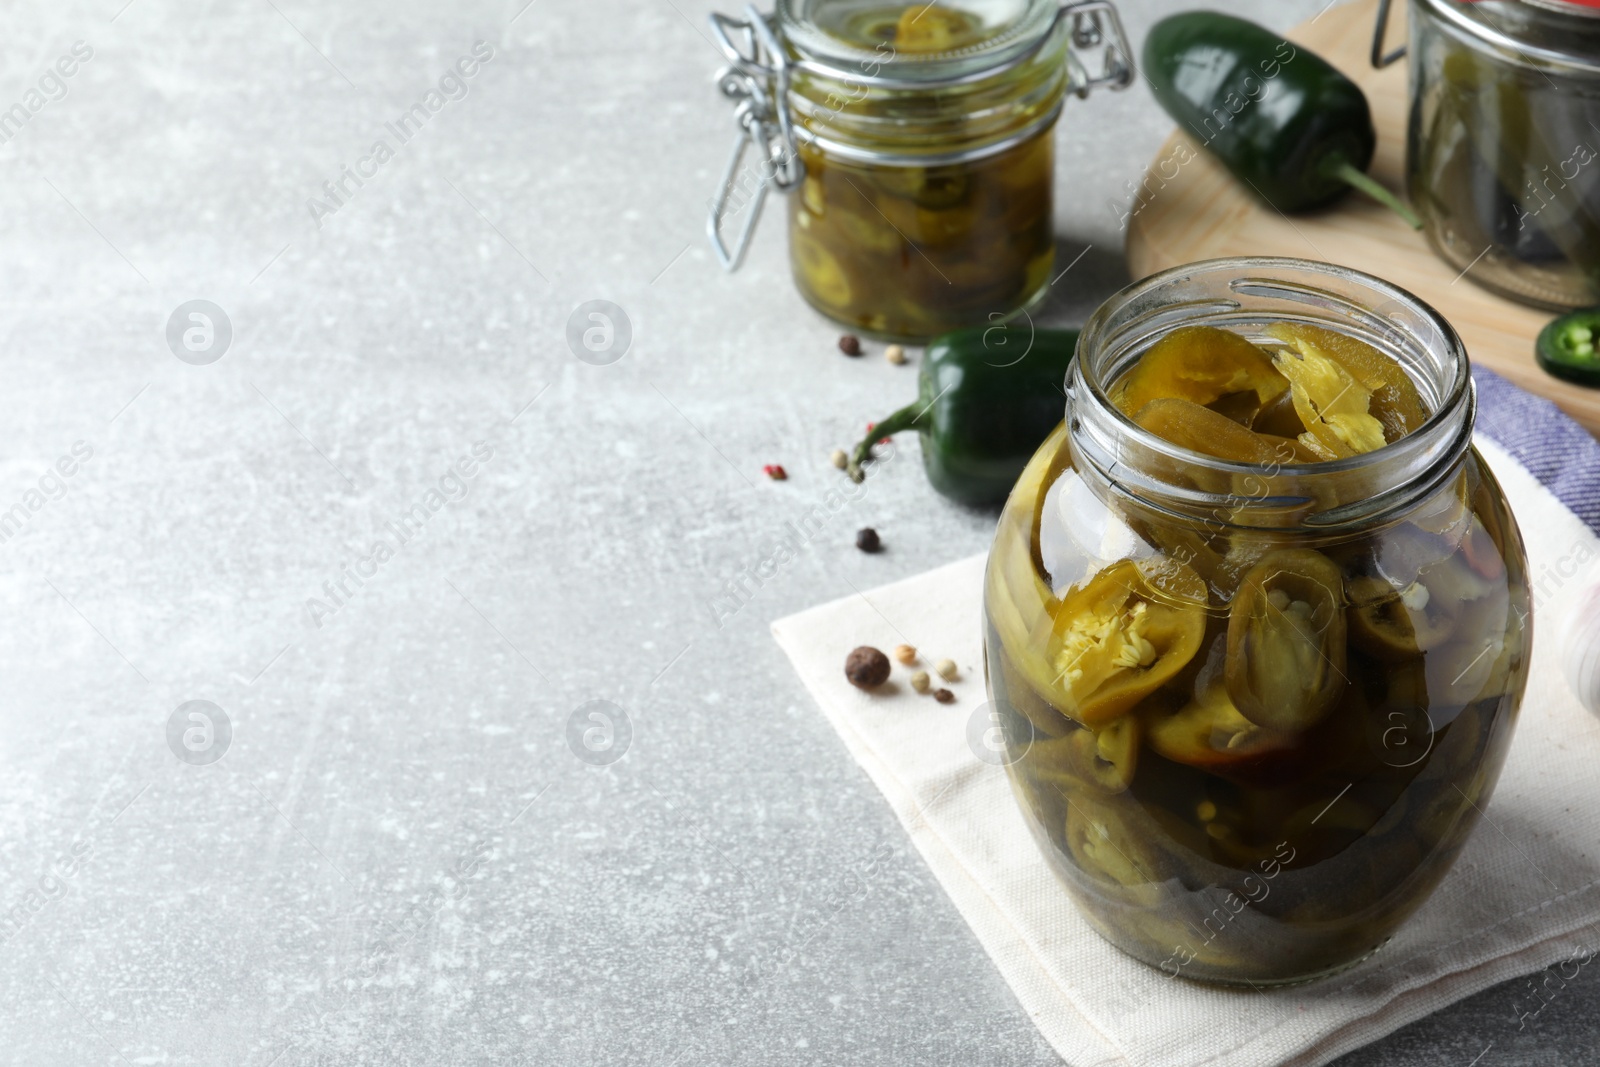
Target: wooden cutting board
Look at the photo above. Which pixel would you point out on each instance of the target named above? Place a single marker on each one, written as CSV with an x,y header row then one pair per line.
x,y
1203,213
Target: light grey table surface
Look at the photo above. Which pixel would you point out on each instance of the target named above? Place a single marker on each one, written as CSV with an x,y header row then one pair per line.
x,y
398,858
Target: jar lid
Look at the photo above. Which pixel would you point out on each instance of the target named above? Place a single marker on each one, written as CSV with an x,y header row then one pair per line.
x,y
915,41
1560,35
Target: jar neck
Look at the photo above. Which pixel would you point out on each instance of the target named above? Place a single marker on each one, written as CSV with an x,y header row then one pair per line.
x,y
1122,461
872,115
1551,36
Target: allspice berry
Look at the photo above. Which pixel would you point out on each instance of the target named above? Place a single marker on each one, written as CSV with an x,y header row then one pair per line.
x,y
866,667
850,344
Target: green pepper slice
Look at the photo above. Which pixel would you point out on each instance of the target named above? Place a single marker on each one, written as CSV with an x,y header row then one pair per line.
x,y
1286,640
1200,364
1104,760
1567,348
1209,733
1392,625
1199,429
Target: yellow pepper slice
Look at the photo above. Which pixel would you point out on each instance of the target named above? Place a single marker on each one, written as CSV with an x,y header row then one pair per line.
x,y
1122,635
1331,404
925,28
1395,403
1201,364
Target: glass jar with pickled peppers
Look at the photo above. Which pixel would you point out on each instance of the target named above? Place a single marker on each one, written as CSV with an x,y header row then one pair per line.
x,y
914,141
1257,620
1503,158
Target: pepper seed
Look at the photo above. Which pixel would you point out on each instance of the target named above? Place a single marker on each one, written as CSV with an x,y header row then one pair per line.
x,y
850,344
905,654
921,682
867,540
944,696
947,669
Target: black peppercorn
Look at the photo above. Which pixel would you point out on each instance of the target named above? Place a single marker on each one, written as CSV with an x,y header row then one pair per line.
x,y
944,696
850,344
866,667
867,539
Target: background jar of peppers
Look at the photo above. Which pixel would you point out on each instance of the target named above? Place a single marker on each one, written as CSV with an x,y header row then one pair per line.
x,y
1503,155
914,141
1257,619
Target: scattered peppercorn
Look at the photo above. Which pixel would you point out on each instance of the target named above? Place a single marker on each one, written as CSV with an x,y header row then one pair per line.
x,y
946,669
905,654
895,354
775,472
850,344
839,458
921,682
867,540
866,667
944,696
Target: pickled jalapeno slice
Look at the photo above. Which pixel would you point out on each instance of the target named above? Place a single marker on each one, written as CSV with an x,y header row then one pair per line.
x,y
1331,404
1122,635
1103,845
1395,402
1210,433
931,28
1286,640
1104,760
1200,364
1392,625
1209,733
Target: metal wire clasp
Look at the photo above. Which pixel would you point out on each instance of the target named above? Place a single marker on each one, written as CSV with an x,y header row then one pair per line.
x,y
1380,58
757,80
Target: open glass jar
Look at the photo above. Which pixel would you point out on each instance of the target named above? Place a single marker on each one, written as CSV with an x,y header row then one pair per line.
x,y
1503,154
1252,711
915,142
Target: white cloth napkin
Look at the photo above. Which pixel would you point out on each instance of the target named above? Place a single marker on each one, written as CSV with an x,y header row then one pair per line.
x,y
1522,896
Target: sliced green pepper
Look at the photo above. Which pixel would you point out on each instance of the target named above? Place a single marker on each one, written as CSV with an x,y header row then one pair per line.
x,y
1567,348
1202,430
1200,364
1286,640
986,399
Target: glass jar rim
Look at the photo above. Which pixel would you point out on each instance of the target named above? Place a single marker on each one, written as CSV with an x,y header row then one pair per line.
x,y
1103,435
831,55
1469,18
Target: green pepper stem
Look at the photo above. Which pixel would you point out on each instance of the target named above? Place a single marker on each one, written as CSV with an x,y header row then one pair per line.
x,y
903,419
1337,166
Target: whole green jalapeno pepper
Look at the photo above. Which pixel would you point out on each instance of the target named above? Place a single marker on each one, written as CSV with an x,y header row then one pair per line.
x,y
1283,120
986,400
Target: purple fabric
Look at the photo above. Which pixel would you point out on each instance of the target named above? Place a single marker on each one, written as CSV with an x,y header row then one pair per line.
x,y
1556,450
